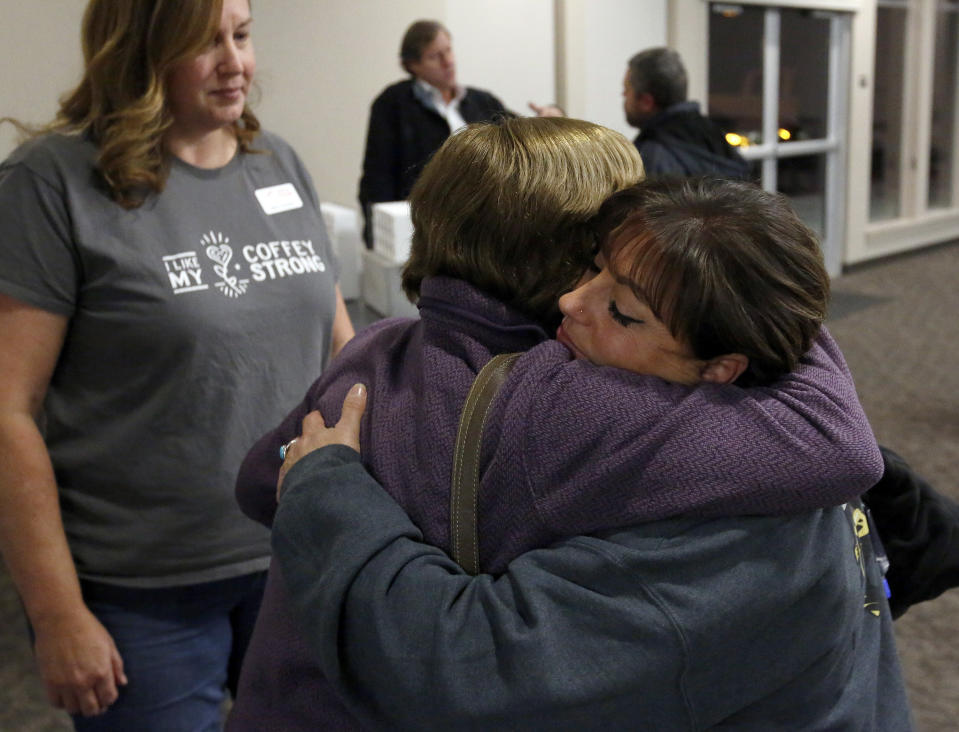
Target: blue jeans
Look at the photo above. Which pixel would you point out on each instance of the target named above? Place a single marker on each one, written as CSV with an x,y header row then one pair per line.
x,y
182,648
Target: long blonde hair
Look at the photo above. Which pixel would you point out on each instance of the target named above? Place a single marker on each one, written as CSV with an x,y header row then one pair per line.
x,y
129,49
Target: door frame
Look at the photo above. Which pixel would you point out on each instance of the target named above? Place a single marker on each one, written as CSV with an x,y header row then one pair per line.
x,y
689,33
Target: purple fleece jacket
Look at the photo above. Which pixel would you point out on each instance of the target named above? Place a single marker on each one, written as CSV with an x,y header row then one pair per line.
x,y
570,448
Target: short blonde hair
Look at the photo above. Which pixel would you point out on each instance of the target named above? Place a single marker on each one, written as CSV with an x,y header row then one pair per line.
x,y
506,206
129,49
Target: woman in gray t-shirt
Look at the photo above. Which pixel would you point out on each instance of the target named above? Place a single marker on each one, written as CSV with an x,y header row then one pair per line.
x,y
166,289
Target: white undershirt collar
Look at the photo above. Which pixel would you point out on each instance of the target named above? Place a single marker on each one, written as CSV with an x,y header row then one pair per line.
x,y
433,98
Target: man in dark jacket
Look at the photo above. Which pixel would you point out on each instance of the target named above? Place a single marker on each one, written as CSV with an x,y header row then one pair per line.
x,y
410,119
674,138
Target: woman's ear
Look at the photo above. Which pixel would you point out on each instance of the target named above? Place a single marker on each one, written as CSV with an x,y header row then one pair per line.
x,y
724,369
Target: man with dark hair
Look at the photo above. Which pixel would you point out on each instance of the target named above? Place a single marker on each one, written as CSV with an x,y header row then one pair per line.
x,y
674,138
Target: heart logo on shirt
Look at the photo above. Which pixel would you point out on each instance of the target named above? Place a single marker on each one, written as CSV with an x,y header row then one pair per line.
x,y
221,254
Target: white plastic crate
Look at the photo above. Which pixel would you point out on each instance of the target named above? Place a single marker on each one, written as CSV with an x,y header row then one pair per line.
x,y
382,292
392,230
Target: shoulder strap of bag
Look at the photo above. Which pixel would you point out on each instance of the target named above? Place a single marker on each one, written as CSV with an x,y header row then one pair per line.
x,y
466,457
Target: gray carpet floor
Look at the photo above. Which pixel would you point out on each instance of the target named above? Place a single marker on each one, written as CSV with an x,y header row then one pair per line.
x,y
897,323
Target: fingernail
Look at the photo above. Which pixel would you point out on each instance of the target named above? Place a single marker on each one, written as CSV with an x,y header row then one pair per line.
x,y
358,390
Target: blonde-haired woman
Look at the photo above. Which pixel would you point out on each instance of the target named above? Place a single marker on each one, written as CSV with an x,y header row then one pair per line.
x,y
167,287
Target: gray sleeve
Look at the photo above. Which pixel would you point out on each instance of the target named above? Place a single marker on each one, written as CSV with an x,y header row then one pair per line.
x,y
672,625
563,640
38,259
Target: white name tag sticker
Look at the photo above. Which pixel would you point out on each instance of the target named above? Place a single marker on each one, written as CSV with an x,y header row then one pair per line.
x,y
277,199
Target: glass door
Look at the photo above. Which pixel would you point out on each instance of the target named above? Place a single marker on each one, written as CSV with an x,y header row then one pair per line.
x,y
888,156
777,82
913,152
945,79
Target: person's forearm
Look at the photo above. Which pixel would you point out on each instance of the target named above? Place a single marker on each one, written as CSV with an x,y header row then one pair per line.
x,y
841,456
32,538
711,450
299,540
77,659
819,445
817,420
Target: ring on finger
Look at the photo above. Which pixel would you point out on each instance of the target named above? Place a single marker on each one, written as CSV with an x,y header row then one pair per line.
x,y
285,448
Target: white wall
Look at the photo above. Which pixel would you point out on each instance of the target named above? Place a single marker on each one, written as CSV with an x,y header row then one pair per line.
x,y
689,34
599,37
506,47
39,59
319,65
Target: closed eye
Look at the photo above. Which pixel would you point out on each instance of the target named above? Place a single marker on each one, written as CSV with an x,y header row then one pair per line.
x,y
623,320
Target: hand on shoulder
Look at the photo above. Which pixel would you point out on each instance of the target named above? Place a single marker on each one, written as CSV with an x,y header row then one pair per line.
x,y
316,434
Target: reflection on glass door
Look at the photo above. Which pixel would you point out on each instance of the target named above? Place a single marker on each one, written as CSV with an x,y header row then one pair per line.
x,y
892,21
777,78
942,150
914,130
736,72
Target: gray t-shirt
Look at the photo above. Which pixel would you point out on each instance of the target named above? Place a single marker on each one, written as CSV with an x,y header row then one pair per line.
x,y
196,321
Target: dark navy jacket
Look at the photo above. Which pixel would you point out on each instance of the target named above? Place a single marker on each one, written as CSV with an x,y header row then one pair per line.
x,y
749,623
681,141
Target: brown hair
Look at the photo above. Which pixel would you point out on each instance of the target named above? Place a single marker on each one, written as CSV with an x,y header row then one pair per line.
x,y
506,205
728,267
129,49
417,37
